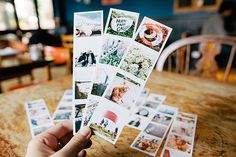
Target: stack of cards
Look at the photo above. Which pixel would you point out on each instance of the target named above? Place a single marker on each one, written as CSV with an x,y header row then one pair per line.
x,y
145,111
149,140
64,108
88,30
38,116
124,63
181,136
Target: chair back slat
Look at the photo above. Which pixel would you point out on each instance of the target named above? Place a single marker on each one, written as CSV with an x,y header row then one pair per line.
x,y
187,59
230,61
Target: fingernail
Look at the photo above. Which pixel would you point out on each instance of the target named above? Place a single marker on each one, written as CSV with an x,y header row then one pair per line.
x,y
85,131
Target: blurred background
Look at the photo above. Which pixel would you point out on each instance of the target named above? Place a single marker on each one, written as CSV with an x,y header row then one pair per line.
x,y
36,38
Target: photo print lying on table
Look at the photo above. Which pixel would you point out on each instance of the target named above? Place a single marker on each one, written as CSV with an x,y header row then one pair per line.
x,y
82,89
78,115
39,118
121,23
108,120
147,144
174,153
145,112
156,130
156,98
123,91
151,104
138,122
142,97
162,119
112,51
179,143
153,34
103,77
169,110
88,24
64,107
139,61
184,130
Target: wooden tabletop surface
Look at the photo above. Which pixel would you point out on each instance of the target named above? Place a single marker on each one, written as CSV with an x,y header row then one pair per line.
x,y
213,102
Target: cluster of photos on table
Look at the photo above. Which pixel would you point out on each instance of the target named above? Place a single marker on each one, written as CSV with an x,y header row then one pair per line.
x,y
150,116
108,80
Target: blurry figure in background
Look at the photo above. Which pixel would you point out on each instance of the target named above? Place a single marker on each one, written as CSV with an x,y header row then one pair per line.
x,y
223,22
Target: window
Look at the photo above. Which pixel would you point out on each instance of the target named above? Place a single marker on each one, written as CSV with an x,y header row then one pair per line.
x,y
45,10
26,13
8,20
185,6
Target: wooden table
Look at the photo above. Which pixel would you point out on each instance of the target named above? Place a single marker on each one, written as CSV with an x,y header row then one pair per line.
x,y
213,102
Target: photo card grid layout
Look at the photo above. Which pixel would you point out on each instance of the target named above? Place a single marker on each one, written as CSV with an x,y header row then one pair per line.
x,y
112,68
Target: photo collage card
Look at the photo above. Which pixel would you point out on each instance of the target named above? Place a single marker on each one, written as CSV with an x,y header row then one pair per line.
x,y
180,140
38,116
122,68
88,32
151,137
64,107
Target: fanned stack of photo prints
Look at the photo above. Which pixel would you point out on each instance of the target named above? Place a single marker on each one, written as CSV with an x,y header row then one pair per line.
x,y
110,69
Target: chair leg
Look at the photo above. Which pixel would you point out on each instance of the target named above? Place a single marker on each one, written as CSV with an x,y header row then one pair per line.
x,y
48,72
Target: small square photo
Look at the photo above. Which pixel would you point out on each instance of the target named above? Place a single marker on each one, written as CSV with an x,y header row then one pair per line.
x,y
82,89
121,23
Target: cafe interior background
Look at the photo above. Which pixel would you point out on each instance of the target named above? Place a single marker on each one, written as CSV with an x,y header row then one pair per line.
x,y
42,30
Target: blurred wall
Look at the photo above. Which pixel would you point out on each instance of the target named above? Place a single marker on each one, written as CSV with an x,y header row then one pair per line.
x,y
162,10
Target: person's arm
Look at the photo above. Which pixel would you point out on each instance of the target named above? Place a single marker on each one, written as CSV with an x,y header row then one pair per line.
x,y
60,142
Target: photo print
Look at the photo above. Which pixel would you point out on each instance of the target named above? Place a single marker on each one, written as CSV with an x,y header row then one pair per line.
x,y
147,144
139,61
79,110
138,122
108,120
156,130
156,98
180,143
38,111
162,119
174,153
39,130
185,120
153,34
151,104
86,59
121,23
168,110
82,89
88,24
37,121
123,91
63,115
113,51
183,130
90,107
145,112
102,79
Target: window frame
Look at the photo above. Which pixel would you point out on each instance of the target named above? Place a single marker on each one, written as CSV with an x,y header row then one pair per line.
x,y
18,30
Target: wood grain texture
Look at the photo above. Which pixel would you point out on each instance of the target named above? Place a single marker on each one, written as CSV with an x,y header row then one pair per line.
x,y
214,103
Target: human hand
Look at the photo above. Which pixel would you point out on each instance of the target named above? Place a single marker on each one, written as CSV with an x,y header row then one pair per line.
x,y
60,142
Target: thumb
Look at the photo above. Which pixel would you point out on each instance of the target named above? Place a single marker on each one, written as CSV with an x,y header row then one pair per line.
x,y
76,144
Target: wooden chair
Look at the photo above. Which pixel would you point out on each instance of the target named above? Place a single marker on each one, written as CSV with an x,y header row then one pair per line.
x,y
209,47
67,42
